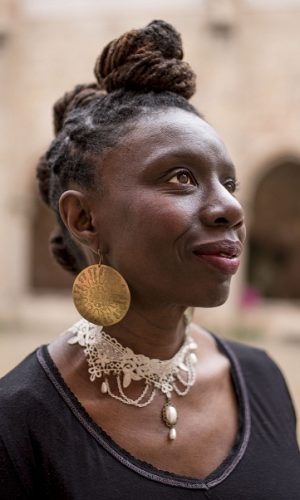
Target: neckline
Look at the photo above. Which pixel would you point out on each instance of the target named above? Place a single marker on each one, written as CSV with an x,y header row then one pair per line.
x,y
143,468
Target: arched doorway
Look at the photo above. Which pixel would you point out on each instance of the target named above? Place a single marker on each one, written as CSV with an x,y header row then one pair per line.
x,y
274,235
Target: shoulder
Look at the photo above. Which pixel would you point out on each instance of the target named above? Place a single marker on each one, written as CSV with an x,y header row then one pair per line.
x,y
20,378
249,357
22,391
255,362
23,407
265,381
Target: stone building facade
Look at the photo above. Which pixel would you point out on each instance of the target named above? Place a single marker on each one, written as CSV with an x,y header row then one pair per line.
x,y
246,54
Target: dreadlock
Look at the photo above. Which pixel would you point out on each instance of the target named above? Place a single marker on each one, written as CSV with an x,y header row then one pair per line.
x,y
138,72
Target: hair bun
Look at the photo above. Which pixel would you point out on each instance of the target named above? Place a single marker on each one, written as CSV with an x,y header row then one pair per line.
x,y
146,59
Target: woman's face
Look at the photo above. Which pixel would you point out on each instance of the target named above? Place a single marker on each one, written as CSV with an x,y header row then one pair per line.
x,y
167,217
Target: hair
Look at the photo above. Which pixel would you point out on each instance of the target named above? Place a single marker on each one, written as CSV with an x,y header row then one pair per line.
x,y
139,72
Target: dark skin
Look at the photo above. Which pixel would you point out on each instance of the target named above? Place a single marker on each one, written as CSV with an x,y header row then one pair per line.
x,y
168,186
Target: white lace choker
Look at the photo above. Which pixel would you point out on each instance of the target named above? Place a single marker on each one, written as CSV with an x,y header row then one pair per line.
x,y
107,357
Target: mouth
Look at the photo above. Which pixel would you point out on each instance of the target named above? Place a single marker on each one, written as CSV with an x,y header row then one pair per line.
x,y
222,255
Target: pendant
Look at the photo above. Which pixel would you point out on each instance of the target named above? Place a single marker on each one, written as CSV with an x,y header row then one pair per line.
x,y
104,388
170,417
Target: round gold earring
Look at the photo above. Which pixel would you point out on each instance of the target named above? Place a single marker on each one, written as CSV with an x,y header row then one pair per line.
x,y
101,295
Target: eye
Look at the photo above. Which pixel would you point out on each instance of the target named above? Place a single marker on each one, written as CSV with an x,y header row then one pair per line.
x,y
183,177
231,185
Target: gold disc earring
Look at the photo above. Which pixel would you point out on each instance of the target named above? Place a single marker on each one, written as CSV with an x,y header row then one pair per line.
x,y
101,295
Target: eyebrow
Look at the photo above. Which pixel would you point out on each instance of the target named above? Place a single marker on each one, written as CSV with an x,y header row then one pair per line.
x,y
179,155
156,157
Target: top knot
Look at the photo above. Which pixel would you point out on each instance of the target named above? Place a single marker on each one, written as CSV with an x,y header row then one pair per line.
x,y
149,59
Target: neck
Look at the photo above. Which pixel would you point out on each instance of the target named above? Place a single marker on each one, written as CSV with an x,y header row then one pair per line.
x,y
156,332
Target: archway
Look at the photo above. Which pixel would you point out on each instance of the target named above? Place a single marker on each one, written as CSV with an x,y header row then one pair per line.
x,y
274,235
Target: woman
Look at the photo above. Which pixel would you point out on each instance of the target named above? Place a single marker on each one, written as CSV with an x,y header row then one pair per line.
x,y
146,406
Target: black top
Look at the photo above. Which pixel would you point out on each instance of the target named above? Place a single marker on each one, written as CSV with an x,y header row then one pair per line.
x,y
51,449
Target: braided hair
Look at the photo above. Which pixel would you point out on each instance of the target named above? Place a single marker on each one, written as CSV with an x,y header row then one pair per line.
x,y
140,71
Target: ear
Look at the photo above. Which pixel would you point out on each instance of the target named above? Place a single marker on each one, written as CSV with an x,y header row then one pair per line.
x,y
77,214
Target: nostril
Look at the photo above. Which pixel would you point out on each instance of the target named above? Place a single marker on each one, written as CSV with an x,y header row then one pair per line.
x,y
222,221
239,224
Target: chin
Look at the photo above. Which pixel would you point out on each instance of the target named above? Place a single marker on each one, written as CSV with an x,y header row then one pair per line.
x,y
217,303
213,298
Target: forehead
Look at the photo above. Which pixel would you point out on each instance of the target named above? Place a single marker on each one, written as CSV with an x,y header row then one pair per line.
x,y
173,132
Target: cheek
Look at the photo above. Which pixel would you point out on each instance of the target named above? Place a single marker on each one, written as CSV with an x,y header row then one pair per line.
x,y
161,216
242,233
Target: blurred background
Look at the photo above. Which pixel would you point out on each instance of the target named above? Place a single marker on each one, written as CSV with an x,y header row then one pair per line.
x,y
246,54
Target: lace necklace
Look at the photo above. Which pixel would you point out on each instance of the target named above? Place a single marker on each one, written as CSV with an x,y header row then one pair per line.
x,y
107,357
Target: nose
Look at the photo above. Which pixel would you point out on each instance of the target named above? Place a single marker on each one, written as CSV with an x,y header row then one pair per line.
x,y
222,209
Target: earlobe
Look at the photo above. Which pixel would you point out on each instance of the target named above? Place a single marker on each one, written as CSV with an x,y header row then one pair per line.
x,y
77,215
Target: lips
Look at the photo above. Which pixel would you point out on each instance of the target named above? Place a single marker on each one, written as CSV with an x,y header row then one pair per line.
x,y
223,254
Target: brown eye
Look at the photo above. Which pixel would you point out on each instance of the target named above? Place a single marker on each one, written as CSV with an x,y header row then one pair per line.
x,y
231,185
181,178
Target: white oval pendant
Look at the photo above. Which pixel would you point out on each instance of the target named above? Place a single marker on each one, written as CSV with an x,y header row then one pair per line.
x,y
104,388
172,433
170,414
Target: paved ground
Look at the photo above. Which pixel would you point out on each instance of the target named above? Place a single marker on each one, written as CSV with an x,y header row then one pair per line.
x,y
15,345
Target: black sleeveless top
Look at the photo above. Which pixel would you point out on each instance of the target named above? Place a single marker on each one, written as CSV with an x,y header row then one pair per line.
x,y
51,449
